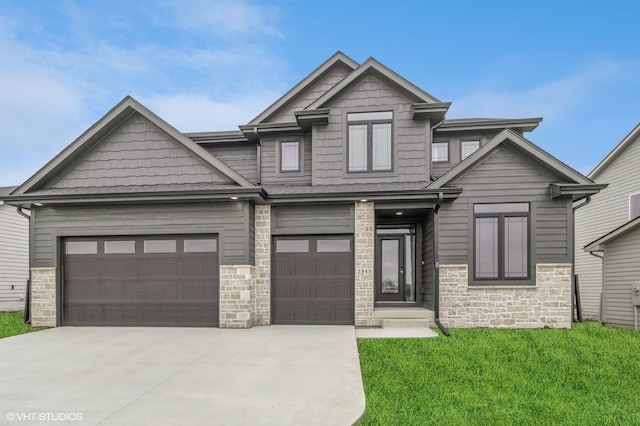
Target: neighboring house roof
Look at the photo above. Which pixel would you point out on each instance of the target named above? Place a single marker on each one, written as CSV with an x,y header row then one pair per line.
x,y
511,137
6,190
112,119
336,58
371,65
598,244
615,152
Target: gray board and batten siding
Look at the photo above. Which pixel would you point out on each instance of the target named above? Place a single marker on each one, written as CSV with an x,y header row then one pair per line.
x,y
621,274
607,210
231,221
313,219
506,176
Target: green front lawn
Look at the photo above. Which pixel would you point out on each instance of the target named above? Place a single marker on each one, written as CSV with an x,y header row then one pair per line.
x,y
586,376
11,325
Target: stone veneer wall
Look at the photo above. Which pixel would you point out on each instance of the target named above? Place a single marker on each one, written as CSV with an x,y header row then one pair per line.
x,y
364,252
544,305
43,297
263,265
237,296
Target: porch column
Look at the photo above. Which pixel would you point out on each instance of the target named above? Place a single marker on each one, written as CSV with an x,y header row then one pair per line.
x,y
263,264
364,255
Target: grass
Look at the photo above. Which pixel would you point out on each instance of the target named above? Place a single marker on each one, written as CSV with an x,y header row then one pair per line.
x,y
11,325
586,376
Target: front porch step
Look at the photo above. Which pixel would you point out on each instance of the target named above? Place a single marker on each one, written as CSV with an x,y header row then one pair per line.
x,y
403,313
405,323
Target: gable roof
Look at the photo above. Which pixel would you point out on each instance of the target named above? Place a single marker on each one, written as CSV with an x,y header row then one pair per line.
x,y
336,58
509,136
615,152
371,65
610,236
106,124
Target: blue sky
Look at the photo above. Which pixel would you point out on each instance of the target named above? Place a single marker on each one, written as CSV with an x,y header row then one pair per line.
x,y
211,65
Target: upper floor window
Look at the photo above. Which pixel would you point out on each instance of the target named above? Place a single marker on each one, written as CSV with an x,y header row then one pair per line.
x,y
290,156
440,152
634,206
468,147
370,145
501,249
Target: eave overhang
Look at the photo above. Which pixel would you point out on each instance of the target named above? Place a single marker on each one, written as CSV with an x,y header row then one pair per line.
x,y
306,118
474,124
574,190
430,111
230,137
253,132
240,193
412,195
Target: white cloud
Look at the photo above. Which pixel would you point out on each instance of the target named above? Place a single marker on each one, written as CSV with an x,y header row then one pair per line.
x,y
52,91
552,99
226,18
189,112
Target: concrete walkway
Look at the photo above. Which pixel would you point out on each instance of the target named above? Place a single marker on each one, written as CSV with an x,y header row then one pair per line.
x,y
277,375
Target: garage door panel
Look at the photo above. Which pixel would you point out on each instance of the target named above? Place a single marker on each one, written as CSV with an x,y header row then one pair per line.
x,y
138,288
313,287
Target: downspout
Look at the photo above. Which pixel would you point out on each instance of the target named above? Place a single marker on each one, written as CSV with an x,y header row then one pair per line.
x,y
259,161
601,257
26,317
574,278
436,266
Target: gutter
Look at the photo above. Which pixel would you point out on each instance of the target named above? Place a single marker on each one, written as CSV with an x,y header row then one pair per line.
x,y
26,317
436,269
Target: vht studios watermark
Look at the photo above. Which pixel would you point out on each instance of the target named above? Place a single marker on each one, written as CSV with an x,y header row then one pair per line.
x,y
44,417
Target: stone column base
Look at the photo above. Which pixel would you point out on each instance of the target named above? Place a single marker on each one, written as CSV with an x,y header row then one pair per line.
x,y
43,297
237,296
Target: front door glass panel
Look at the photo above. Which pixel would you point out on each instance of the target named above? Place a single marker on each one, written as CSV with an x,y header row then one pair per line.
x,y
390,276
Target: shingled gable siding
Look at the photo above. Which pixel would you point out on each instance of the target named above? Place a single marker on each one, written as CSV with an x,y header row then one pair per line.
x,y
313,92
241,158
607,210
231,221
409,137
545,300
137,153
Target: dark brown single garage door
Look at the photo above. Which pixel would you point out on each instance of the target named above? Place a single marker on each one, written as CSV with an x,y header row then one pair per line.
x,y
141,281
313,280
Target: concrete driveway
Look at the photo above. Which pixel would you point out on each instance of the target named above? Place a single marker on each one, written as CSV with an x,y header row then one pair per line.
x,y
276,375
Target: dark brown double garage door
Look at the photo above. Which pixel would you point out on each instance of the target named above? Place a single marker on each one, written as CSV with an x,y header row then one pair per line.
x,y
313,280
141,281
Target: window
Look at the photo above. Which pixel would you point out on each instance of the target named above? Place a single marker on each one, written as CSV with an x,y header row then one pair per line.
x,y
334,246
440,152
119,247
290,156
634,206
292,246
82,247
201,245
159,246
370,141
501,241
467,148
